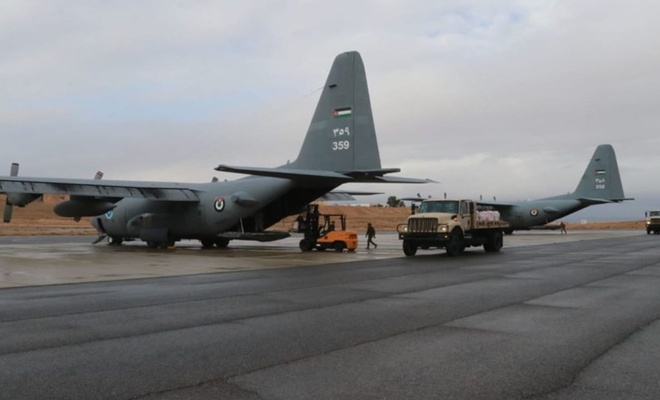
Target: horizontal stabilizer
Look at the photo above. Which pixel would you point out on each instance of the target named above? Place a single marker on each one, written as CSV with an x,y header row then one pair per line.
x,y
337,195
596,201
400,179
295,174
372,172
375,176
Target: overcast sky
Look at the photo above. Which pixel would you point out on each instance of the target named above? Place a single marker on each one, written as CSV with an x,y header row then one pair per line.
x,y
493,98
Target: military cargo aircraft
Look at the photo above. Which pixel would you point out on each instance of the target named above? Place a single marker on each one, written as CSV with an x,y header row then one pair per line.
x,y
340,147
600,184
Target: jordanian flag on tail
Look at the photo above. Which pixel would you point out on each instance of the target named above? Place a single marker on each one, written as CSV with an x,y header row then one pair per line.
x,y
600,172
342,112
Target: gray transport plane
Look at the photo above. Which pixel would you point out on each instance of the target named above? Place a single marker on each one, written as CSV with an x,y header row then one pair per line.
x,y
600,184
340,147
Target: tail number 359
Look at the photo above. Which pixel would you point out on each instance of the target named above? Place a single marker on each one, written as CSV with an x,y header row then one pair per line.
x,y
341,145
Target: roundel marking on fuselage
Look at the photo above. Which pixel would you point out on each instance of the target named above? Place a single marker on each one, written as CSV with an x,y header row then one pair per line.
x,y
533,212
109,214
219,204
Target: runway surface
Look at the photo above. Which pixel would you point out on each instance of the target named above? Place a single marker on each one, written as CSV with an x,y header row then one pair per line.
x,y
564,320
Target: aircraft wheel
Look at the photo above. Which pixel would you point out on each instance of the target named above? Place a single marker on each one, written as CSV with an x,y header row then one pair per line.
x,y
305,245
456,244
339,246
409,249
115,240
222,243
207,243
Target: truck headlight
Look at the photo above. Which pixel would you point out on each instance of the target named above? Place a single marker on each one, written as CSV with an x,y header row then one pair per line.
x,y
402,228
443,228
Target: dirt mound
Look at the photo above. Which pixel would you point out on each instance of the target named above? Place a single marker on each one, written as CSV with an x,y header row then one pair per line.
x,y
38,219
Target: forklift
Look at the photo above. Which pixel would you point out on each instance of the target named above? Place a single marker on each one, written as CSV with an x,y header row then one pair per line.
x,y
325,236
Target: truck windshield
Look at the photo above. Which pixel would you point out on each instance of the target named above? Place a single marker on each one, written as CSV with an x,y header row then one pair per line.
x,y
449,207
654,214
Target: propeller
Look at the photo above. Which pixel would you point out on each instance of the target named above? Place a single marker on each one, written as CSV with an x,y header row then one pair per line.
x,y
97,177
9,207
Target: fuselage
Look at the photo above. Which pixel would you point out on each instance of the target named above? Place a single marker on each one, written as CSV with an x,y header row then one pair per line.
x,y
525,214
250,204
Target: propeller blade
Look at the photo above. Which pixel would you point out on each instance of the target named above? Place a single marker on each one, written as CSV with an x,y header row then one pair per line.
x,y
9,209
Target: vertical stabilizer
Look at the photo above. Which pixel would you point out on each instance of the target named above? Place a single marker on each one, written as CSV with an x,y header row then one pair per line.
x,y
601,180
341,136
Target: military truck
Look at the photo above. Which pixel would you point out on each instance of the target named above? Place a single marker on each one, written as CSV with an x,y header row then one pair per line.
x,y
452,225
652,222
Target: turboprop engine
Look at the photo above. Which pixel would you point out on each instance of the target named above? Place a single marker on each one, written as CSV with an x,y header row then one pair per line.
x,y
83,207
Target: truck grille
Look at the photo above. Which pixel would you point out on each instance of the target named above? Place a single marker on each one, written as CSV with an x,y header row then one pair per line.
x,y
422,225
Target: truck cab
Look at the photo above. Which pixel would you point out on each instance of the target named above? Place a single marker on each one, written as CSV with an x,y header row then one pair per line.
x,y
652,222
452,225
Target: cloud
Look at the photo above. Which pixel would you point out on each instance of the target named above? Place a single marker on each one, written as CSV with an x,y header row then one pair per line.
x,y
473,92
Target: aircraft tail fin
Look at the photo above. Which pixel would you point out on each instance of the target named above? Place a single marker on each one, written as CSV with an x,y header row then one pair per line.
x,y
601,181
342,136
340,145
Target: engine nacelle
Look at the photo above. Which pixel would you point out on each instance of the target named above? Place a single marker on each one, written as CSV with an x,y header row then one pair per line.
x,y
21,199
83,207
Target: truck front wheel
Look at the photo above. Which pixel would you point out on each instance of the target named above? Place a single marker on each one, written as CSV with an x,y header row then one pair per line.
x,y
409,249
456,244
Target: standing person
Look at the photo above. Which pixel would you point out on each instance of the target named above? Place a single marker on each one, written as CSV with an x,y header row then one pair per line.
x,y
562,228
371,234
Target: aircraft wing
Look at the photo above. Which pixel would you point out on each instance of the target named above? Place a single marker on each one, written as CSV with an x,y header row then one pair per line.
x,y
162,191
375,176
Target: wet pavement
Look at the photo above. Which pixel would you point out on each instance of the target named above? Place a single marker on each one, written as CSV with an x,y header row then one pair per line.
x,y
45,260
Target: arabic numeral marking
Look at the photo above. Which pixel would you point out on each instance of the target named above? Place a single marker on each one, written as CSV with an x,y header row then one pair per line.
x,y
341,145
600,186
341,132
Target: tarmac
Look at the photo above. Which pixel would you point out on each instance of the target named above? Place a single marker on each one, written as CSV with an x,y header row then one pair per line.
x,y
47,260
550,317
